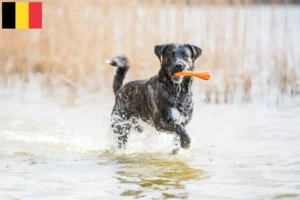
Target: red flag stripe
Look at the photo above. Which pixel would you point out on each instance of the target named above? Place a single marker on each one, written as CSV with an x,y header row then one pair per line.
x,y
35,15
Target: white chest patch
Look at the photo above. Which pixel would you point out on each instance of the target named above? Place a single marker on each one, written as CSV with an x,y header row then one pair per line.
x,y
176,116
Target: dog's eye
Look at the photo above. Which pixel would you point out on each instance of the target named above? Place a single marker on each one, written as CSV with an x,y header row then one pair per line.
x,y
185,56
169,57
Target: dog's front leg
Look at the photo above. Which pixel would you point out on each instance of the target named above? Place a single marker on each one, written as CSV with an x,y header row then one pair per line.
x,y
163,125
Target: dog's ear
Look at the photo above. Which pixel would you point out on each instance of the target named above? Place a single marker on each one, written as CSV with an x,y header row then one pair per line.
x,y
159,49
196,51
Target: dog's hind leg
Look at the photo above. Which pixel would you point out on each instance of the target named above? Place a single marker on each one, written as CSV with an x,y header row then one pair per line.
x,y
121,126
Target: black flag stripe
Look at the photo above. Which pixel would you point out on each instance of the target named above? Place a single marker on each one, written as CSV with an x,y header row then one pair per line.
x,y
8,15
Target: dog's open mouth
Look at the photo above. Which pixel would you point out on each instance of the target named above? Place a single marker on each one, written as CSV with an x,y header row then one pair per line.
x,y
177,79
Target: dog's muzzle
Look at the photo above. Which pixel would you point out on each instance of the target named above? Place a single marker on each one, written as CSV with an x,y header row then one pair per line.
x,y
178,67
177,79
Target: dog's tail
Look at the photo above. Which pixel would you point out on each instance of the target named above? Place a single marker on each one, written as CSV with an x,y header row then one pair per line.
x,y
122,63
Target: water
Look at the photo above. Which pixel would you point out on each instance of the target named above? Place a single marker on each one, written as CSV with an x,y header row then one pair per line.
x,y
49,150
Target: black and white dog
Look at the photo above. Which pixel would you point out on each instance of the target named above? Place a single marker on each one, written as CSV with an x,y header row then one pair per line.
x,y
163,101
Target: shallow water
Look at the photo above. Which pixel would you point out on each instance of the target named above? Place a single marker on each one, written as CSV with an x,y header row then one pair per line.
x,y
52,151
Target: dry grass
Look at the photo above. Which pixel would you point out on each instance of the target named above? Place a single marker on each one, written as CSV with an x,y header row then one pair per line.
x,y
77,37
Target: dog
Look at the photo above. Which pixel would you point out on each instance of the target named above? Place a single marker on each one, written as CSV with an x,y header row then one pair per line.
x,y
164,101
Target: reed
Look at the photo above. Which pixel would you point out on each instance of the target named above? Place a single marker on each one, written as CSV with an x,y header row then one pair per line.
x,y
77,37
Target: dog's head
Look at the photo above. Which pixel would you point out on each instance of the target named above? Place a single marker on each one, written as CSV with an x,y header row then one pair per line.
x,y
177,58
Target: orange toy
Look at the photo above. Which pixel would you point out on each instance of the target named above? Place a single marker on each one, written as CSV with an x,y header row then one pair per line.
x,y
203,75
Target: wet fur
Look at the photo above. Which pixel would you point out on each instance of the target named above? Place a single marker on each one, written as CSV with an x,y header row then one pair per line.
x,y
163,101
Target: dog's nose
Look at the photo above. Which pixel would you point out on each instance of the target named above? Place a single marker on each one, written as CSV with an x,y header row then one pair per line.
x,y
179,66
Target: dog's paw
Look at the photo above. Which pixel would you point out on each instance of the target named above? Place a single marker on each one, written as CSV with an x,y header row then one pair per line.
x,y
185,141
175,150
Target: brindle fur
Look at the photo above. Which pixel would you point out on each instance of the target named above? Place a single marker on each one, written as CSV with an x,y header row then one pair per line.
x,y
155,100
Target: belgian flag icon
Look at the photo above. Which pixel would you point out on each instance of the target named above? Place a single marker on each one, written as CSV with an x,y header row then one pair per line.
x,y
22,15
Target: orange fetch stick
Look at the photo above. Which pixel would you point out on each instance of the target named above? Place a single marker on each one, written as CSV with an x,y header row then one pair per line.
x,y
203,75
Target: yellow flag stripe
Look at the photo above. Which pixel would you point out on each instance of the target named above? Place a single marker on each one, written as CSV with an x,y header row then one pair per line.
x,y
22,15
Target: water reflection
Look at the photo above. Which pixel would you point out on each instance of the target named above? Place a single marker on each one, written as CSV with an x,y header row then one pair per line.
x,y
155,175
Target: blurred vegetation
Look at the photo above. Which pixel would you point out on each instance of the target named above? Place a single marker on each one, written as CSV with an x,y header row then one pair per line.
x,y
247,44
